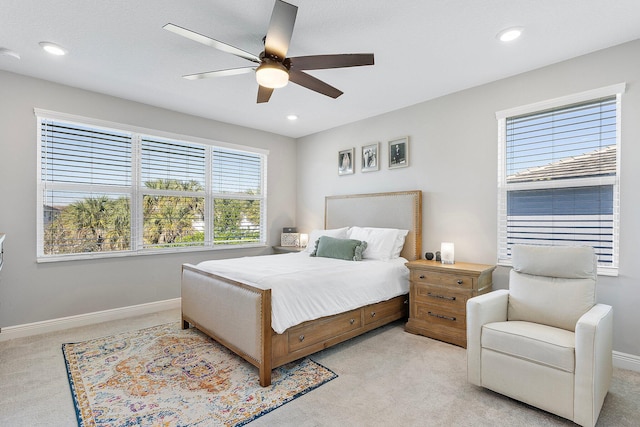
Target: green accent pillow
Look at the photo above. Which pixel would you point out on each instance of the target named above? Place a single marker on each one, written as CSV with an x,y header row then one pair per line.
x,y
347,249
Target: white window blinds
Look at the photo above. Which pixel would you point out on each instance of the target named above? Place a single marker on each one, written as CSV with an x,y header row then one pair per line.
x,y
173,187
165,160
238,198
79,154
104,191
570,142
236,172
558,180
85,191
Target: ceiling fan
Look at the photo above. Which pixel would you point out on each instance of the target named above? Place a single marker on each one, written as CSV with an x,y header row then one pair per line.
x,y
274,69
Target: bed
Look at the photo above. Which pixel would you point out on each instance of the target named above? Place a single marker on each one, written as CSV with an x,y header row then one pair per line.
x,y
235,308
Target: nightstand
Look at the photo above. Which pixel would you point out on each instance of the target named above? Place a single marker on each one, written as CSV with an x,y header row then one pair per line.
x,y
438,297
287,249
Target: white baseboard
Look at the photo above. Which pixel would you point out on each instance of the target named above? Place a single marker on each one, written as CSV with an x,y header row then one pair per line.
x,y
626,361
52,325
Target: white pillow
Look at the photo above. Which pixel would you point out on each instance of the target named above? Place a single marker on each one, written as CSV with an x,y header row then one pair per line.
x,y
400,238
338,233
382,243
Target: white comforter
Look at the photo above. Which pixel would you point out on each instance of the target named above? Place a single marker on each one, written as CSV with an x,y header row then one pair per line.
x,y
306,288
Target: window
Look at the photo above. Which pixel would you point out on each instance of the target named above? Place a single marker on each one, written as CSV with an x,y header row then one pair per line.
x,y
105,191
558,175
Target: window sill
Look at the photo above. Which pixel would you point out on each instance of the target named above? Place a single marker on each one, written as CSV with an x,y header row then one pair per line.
x,y
124,254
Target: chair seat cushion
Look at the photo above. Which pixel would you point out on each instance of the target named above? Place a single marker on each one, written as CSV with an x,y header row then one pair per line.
x,y
534,342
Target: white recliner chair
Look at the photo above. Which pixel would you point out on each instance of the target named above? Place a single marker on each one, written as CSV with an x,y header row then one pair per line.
x,y
544,341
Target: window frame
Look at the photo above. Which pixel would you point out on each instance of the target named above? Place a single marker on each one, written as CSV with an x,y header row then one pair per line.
x,y
136,190
616,90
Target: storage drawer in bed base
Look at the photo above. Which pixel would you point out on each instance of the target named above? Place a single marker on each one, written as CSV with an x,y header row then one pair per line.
x,y
316,335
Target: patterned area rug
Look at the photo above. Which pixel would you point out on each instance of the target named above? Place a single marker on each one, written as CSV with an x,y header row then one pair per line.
x,y
166,376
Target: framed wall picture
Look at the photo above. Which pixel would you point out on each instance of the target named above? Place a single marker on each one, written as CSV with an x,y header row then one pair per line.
x,y
399,153
345,161
370,157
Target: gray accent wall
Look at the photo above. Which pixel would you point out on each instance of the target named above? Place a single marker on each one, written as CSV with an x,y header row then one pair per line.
x,y
453,160
32,292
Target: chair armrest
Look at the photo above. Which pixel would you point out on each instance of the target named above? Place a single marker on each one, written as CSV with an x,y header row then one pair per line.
x,y
483,309
594,363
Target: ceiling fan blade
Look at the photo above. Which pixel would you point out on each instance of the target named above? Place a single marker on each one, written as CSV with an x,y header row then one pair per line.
x,y
310,82
211,42
280,29
321,62
219,73
264,93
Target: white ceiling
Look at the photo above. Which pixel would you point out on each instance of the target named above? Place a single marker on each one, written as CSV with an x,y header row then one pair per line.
x,y
423,49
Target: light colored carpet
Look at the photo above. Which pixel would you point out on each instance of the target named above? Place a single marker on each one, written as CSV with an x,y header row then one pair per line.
x,y
385,378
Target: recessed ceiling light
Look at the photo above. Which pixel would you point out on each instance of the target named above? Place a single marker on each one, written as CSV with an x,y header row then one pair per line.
x,y
53,48
510,34
9,52
292,117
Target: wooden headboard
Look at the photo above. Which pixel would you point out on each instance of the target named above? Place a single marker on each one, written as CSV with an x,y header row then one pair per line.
x,y
401,209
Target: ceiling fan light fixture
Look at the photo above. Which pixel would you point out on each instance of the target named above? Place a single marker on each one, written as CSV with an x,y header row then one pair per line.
x,y
272,74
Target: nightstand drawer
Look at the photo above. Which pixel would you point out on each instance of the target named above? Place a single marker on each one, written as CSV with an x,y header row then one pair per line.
x,y
438,331
459,281
443,298
437,316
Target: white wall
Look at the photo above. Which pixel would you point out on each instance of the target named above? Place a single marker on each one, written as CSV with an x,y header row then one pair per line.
x,y
453,160
31,292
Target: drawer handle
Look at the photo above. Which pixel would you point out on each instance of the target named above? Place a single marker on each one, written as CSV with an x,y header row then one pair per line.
x,y
301,338
373,314
422,276
352,321
441,296
440,316
459,282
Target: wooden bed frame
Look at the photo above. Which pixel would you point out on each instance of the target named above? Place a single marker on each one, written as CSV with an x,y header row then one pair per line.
x,y
238,315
